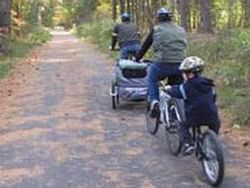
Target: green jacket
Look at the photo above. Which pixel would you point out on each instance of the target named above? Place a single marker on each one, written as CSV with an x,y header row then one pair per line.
x,y
169,43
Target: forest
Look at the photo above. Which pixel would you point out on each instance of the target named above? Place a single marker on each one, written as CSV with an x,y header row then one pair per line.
x,y
218,31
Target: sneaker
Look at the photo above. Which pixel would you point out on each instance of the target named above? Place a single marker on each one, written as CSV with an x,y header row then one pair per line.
x,y
188,149
154,109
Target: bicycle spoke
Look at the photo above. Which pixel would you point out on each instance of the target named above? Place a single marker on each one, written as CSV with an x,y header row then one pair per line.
x,y
213,162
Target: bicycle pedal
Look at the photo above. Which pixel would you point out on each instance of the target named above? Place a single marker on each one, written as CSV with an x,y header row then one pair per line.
x,y
172,130
199,157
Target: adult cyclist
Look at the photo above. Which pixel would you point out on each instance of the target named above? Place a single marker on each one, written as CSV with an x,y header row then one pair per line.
x,y
128,37
169,50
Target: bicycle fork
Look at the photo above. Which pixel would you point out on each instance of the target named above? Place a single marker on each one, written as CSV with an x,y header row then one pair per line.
x,y
164,113
198,139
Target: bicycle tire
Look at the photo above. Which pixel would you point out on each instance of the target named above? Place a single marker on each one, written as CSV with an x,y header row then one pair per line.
x,y
114,98
151,123
172,136
117,99
210,140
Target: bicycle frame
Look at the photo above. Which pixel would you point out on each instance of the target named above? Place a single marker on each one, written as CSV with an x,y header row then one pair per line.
x,y
164,115
197,136
164,107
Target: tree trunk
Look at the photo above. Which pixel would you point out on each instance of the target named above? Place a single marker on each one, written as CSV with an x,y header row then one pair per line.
x,y
184,4
246,10
114,10
148,13
122,6
5,19
196,14
5,11
231,17
173,9
129,7
155,7
247,17
133,10
206,18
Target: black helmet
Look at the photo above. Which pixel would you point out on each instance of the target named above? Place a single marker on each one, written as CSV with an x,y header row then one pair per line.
x,y
125,17
164,15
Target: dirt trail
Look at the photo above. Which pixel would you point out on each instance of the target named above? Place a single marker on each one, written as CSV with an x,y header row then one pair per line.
x,y
58,129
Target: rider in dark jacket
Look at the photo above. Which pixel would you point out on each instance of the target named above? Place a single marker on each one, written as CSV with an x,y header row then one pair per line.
x,y
128,37
199,100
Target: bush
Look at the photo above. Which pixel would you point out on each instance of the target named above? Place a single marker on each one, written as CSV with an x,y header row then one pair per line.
x,y
38,36
18,47
98,32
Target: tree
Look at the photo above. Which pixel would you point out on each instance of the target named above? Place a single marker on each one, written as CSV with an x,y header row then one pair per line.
x,y
184,11
246,11
206,18
122,6
114,9
5,12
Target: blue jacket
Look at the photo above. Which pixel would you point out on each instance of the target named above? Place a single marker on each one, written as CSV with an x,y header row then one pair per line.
x,y
199,100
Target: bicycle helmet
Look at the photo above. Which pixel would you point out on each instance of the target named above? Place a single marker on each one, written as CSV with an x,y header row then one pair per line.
x,y
164,15
192,64
125,17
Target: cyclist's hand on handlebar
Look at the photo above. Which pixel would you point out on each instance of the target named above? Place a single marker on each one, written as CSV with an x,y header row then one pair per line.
x,y
167,87
137,59
111,48
134,59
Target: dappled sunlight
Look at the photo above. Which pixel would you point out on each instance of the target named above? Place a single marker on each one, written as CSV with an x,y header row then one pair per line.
x,y
115,176
62,42
15,175
93,145
61,33
147,183
67,125
133,151
20,135
57,60
62,118
59,151
74,51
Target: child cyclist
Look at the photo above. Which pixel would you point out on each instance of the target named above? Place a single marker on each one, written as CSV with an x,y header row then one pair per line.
x,y
199,100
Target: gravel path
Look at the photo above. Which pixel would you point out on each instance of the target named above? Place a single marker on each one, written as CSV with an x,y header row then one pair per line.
x,y
58,129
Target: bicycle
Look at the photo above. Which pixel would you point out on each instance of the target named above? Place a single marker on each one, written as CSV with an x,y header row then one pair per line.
x,y
171,115
208,149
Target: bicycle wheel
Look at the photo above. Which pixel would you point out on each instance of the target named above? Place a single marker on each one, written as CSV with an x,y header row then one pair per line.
x,y
172,136
114,98
213,160
152,123
117,99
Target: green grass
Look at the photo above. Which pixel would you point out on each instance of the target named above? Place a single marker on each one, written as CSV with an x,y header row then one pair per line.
x,y
4,69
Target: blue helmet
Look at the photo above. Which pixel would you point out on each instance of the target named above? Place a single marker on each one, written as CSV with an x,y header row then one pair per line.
x,y
125,17
164,15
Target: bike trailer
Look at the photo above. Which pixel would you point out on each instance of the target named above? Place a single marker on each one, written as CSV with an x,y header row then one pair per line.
x,y
130,80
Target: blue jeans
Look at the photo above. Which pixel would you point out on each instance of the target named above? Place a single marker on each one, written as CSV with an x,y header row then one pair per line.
x,y
184,131
128,49
159,71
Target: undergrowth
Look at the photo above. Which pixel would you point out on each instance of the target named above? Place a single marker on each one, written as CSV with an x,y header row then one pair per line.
x,y
18,47
227,57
